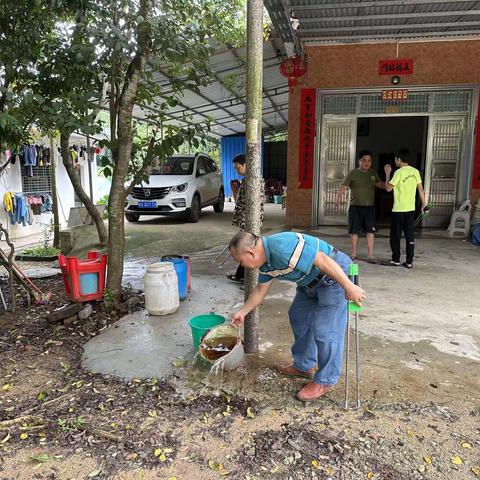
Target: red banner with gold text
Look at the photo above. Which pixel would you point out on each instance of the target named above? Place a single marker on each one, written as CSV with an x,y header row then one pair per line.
x,y
306,147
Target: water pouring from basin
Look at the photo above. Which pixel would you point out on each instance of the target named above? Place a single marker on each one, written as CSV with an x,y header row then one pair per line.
x,y
222,346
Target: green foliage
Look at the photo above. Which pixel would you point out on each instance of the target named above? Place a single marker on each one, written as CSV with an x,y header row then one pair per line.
x,y
70,424
104,201
78,57
41,251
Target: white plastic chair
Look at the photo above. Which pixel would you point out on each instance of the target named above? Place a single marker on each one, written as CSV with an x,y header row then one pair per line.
x,y
460,220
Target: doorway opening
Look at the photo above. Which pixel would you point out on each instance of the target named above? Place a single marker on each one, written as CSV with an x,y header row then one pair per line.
x,y
385,135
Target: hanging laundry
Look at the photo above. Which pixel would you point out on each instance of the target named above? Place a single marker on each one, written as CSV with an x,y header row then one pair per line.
x,y
47,203
9,204
46,156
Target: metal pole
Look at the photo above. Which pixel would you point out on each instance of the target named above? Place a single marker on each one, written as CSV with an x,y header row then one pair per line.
x,y
253,156
89,161
53,183
357,360
347,352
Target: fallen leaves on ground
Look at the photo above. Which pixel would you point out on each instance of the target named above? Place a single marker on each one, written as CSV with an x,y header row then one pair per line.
x,y
217,467
41,458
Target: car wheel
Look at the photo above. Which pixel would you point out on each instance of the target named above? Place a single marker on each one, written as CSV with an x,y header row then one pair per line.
x,y
193,213
132,217
218,207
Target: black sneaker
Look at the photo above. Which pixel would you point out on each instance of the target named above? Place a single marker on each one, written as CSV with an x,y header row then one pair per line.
x,y
407,265
394,264
234,278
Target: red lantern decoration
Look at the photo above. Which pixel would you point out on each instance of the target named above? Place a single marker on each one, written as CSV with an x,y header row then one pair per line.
x,y
293,68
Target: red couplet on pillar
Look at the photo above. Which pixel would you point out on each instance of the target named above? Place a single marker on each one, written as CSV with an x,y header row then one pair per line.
x,y
307,138
84,280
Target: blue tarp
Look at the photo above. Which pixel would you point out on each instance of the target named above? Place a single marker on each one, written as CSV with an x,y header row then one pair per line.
x,y
230,147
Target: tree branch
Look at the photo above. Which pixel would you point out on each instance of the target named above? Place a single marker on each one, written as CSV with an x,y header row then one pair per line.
x,y
147,162
77,186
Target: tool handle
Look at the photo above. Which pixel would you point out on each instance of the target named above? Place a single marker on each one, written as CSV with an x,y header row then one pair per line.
x,y
353,274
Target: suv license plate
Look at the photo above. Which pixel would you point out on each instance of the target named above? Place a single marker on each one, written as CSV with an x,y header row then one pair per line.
x,y
147,204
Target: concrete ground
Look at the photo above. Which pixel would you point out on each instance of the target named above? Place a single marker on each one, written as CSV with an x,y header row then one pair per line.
x,y
420,329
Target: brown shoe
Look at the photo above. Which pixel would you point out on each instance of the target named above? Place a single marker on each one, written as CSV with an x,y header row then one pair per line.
x,y
312,391
294,371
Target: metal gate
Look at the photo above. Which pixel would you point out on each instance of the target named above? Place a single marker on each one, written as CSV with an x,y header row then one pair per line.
x,y
337,159
450,126
444,152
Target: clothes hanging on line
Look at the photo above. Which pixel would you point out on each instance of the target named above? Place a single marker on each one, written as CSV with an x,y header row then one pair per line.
x,y
31,155
22,207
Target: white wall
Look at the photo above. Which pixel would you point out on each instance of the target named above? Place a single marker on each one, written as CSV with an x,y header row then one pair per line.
x,y
11,180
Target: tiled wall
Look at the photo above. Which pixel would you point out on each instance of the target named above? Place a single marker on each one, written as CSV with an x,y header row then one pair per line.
x,y
356,66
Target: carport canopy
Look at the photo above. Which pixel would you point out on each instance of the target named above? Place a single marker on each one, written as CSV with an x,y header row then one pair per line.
x,y
223,102
300,22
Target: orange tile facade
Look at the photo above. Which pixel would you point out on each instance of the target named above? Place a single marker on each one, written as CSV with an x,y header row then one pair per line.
x,y
356,66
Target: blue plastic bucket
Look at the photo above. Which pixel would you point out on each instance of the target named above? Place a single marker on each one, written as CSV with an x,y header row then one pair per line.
x,y
88,283
181,268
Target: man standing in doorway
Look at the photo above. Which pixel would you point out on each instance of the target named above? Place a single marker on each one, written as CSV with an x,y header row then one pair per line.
x,y
361,214
405,183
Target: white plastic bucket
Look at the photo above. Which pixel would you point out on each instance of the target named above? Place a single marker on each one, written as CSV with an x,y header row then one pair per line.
x,y
161,289
235,357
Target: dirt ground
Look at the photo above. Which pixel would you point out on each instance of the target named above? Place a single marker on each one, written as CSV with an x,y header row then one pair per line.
x,y
419,418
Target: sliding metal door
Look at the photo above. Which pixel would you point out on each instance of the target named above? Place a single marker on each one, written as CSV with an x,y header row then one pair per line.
x,y
337,157
444,154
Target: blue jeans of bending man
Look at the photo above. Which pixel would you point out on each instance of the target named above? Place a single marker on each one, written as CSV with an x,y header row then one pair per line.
x,y
318,318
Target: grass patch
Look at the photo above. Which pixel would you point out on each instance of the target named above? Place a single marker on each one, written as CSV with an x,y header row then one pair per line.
x,y
41,251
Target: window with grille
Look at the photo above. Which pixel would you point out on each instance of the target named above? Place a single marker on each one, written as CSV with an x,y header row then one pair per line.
x,y
39,183
416,103
339,104
451,102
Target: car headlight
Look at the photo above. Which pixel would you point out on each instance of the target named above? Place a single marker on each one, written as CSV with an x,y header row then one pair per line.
x,y
180,188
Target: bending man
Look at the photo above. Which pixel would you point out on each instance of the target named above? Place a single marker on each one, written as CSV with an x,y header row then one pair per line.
x,y
318,313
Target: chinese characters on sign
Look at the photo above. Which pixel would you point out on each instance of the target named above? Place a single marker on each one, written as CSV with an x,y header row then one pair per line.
x,y
476,160
307,138
392,95
398,66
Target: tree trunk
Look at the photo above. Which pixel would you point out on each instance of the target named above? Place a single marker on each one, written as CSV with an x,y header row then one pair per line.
x,y
253,157
53,179
77,186
123,151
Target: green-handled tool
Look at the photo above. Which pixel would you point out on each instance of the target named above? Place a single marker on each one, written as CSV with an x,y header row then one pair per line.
x,y
353,274
423,214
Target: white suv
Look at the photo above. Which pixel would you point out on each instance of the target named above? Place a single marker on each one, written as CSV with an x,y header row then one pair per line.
x,y
183,184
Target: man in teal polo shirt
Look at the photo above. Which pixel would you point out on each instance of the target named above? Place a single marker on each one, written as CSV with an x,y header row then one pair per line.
x,y
318,313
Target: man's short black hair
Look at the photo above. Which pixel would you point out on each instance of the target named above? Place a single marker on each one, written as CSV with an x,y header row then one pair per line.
x,y
365,152
403,154
239,159
243,238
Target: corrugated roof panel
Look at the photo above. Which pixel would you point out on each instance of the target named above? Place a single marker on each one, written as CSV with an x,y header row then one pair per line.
x,y
362,20
223,100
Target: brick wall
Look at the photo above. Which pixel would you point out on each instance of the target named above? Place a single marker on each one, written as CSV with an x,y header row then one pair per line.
x,y
356,66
